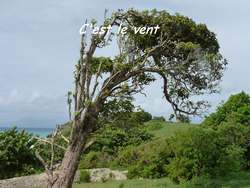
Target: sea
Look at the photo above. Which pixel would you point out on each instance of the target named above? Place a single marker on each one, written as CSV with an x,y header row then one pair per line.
x,y
42,132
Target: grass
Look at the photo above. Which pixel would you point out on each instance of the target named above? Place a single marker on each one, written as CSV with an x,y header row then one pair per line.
x,y
165,129
236,180
159,183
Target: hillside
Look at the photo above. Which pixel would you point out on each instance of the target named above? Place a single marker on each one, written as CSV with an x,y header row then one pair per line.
x,y
162,130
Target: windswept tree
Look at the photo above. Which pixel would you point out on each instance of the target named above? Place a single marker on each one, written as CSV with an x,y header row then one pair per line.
x,y
185,55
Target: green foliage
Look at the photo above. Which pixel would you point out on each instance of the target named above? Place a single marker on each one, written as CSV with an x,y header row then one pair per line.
x,y
236,113
117,109
236,109
195,152
96,159
187,56
112,138
103,64
201,151
175,28
84,176
230,160
109,141
242,116
141,116
146,160
16,156
191,152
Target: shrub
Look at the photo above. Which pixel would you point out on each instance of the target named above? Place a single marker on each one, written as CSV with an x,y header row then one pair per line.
x,y
84,176
230,160
112,138
195,153
146,160
95,159
16,157
200,151
190,153
236,134
241,116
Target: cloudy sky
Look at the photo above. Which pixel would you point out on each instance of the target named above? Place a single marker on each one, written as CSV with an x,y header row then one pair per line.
x,y
39,45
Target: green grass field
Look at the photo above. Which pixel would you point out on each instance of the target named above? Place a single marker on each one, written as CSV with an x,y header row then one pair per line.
x,y
166,129
160,183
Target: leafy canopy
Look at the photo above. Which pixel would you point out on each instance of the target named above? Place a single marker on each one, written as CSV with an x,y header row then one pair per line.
x,y
184,54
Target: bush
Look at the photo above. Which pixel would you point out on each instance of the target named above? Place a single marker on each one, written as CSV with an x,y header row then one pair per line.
x,y
95,159
241,116
112,138
84,176
190,153
200,151
195,153
146,160
109,142
238,104
230,160
16,156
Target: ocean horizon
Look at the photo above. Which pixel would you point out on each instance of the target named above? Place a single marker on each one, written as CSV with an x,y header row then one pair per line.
x,y
42,132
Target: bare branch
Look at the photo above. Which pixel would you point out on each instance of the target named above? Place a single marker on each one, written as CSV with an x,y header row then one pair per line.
x,y
49,142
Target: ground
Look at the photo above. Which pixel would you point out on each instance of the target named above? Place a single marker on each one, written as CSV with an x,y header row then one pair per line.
x,y
238,180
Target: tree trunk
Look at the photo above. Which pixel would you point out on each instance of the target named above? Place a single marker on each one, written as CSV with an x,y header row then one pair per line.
x,y
81,131
70,162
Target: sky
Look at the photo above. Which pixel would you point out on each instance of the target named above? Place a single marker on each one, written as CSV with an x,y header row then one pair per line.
x,y
39,46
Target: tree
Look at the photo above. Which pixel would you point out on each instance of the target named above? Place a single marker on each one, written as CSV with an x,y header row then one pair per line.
x,y
236,110
184,54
